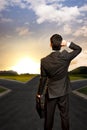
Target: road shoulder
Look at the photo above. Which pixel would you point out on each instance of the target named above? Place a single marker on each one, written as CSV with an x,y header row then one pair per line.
x,y
80,94
5,92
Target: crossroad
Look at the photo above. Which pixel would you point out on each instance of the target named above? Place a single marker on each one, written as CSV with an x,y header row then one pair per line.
x,y
17,108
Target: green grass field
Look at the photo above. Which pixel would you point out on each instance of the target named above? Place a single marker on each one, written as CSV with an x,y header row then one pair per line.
x,y
27,77
83,90
22,78
2,90
77,76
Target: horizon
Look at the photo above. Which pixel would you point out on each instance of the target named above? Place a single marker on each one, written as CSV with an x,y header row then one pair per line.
x,y
26,27
35,73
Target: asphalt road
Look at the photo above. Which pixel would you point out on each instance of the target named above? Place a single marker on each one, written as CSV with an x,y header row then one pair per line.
x,y
17,108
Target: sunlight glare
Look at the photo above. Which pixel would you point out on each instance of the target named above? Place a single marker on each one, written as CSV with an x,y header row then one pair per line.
x,y
26,65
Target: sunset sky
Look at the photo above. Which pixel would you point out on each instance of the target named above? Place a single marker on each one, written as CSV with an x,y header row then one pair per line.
x,y
26,26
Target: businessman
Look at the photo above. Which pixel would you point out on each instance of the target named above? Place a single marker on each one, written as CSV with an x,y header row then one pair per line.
x,y
54,75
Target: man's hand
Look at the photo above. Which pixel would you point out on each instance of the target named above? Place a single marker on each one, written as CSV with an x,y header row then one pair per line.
x,y
38,96
64,43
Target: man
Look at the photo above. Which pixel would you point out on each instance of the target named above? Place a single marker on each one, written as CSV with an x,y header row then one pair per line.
x,y
54,75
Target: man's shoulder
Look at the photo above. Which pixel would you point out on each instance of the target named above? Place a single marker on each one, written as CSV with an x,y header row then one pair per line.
x,y
52,55
63,53
45,58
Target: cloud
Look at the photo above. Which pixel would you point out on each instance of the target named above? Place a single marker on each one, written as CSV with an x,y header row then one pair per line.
x,y
67,29
51,13
83,8
46,12
27,23
19,3
74,62
55,11
8,36
85,52
22,31
3,4
82,31
80,60
51,1
5,20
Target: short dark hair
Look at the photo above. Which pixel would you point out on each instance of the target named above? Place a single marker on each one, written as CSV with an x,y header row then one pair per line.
x,y
56,40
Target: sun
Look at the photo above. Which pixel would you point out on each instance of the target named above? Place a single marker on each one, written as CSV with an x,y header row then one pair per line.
x,y
26,65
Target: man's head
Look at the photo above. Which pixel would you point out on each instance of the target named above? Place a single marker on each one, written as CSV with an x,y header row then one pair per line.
x,y
56,41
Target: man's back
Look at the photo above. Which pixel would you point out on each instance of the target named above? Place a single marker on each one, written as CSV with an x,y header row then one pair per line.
x,y
55,68
56,65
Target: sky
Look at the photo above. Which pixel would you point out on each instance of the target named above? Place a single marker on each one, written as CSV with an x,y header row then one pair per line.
x,y
27,25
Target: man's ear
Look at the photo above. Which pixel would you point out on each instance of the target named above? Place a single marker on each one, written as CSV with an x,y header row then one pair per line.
x,y
50,44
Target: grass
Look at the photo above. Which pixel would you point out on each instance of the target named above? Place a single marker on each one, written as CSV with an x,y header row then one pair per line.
x,y
77,76
22,78
83,90
27,77
2,90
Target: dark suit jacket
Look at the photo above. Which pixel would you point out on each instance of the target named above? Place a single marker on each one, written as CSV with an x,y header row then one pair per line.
x,y
54,72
